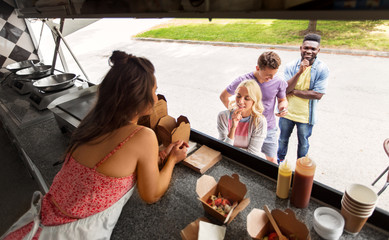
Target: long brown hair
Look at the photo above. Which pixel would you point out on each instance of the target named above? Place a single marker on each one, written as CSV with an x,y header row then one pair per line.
x,y
124,93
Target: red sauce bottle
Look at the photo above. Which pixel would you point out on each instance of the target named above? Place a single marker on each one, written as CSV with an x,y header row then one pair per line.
x,y
302,182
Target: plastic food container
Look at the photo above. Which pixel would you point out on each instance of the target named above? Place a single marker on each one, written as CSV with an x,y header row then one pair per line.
x,y
328,223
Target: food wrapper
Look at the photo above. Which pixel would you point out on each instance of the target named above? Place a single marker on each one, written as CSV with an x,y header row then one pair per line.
x,y
202,159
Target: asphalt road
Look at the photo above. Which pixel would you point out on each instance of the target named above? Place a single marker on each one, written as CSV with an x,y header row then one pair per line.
x,y
353,116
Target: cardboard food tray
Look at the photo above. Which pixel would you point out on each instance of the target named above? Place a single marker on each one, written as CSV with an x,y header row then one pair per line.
x,y
258,224
166,128
159,111
191,231
229,187
202,159
169,130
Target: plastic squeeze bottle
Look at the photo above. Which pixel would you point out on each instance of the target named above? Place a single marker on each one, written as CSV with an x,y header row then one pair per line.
x,y
302,182
283,180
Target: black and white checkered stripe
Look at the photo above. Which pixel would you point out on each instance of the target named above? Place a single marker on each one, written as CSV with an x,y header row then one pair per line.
x,y
15,40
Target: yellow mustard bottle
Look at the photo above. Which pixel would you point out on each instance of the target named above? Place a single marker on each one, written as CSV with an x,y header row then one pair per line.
x,y
283,180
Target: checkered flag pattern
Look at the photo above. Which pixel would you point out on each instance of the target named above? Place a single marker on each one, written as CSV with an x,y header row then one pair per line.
x,y
15,40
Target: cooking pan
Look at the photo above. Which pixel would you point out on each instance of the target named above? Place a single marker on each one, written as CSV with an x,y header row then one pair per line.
x,y
34,72
14,67
55,82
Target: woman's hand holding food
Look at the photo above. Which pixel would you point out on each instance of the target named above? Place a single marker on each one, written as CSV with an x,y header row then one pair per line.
x,y
236,117
178,150
164,154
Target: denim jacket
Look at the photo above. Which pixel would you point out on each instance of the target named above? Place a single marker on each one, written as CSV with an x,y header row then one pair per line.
x,y
319,81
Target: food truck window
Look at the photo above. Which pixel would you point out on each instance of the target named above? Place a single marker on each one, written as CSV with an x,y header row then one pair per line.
x,y
346,142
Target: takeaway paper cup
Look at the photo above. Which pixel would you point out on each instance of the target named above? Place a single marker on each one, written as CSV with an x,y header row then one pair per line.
x,y
358,204
353,224
355,210
361,195
355,205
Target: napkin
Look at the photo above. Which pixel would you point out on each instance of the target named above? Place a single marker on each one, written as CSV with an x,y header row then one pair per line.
x,y
209,231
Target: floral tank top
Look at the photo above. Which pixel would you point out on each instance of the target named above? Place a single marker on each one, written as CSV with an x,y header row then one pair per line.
x,y
79,191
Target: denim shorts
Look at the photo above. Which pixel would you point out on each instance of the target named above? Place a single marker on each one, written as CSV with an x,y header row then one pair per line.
x,y
270,145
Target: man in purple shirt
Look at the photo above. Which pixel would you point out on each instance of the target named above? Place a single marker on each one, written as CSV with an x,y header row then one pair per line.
x,y
273,87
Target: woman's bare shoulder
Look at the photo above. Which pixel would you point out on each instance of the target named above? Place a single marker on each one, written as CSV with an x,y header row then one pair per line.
x,y
144,143
139,134
146,132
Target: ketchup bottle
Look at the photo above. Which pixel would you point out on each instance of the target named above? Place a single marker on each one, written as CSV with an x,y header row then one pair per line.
x,y
302,182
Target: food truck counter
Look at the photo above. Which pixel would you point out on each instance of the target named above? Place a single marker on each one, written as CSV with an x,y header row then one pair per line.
x,y
41,144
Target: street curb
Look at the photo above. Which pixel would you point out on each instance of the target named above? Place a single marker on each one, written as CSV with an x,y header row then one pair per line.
x,y
268,46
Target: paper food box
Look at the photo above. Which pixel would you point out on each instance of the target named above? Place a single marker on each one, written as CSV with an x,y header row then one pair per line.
x,y
259,225
191,231
159,111
169,130
166,127
202,159
202,229
229,187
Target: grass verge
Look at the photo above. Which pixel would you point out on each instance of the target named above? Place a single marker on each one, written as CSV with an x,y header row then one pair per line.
x,y
363,35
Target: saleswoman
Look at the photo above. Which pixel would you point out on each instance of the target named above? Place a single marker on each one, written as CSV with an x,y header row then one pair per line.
x,y
243,125
108,154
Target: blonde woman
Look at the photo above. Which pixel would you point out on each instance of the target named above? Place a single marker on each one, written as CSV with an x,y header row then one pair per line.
x,y
243,124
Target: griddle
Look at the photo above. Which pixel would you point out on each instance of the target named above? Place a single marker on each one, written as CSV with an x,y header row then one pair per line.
x,y
79,107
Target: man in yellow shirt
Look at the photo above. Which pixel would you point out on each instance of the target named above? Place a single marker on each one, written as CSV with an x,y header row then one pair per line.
x,y
307,82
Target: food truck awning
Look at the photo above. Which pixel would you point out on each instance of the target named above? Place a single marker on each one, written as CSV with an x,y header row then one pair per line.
x,y
280,9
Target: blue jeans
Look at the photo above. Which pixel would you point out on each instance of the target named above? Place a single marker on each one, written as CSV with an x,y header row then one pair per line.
x,y
304,131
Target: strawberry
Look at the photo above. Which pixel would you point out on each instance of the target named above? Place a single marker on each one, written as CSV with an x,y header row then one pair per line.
x,y
226,202
218,201
273,236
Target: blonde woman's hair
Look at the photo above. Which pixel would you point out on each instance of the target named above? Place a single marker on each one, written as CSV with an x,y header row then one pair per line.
x,y
255,94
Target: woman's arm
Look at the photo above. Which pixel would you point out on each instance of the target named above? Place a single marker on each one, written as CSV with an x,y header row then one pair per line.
x,y
258,135
152,183
222,127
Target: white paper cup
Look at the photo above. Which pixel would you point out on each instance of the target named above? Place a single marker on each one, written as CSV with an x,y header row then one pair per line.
x,y
361,195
